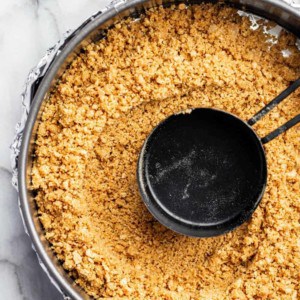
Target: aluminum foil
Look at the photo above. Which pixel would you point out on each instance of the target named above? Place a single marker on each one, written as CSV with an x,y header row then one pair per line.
x,y
37,73
31,85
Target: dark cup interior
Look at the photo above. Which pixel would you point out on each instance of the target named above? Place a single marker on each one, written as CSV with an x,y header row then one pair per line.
x,y
202,173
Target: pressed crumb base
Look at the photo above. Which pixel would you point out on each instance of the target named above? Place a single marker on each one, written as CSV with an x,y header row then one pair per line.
x,y
95,123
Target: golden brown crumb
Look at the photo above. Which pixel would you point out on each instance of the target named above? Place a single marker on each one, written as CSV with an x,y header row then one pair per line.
x,y
94,125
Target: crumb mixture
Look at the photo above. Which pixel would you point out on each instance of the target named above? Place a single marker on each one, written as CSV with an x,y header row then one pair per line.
x,y
93,127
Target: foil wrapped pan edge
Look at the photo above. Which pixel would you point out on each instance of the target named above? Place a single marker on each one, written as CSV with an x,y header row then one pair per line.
x,y
31,84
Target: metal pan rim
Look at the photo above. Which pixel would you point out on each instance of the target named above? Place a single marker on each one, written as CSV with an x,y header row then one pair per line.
x,y
116,8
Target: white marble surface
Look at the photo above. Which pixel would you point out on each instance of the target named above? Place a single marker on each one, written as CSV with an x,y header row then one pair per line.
x,y
27,29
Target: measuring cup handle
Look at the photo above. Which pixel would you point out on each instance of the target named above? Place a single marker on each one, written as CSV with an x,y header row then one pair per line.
x,y
270,106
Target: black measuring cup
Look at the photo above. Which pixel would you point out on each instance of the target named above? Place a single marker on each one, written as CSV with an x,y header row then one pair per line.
x,y
204,173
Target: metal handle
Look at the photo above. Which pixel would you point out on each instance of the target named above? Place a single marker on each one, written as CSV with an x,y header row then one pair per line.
x,y
269,137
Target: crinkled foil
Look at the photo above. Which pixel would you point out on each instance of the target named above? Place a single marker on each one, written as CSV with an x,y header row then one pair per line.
x,y
37,73
31,85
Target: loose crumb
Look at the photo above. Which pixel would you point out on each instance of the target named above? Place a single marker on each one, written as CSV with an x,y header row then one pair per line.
x,y
92,129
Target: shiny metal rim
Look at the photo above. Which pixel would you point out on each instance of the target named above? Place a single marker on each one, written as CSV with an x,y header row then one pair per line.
x,y
277,10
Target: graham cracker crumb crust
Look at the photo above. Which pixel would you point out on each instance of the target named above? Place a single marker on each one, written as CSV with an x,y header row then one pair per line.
x,y
92,129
